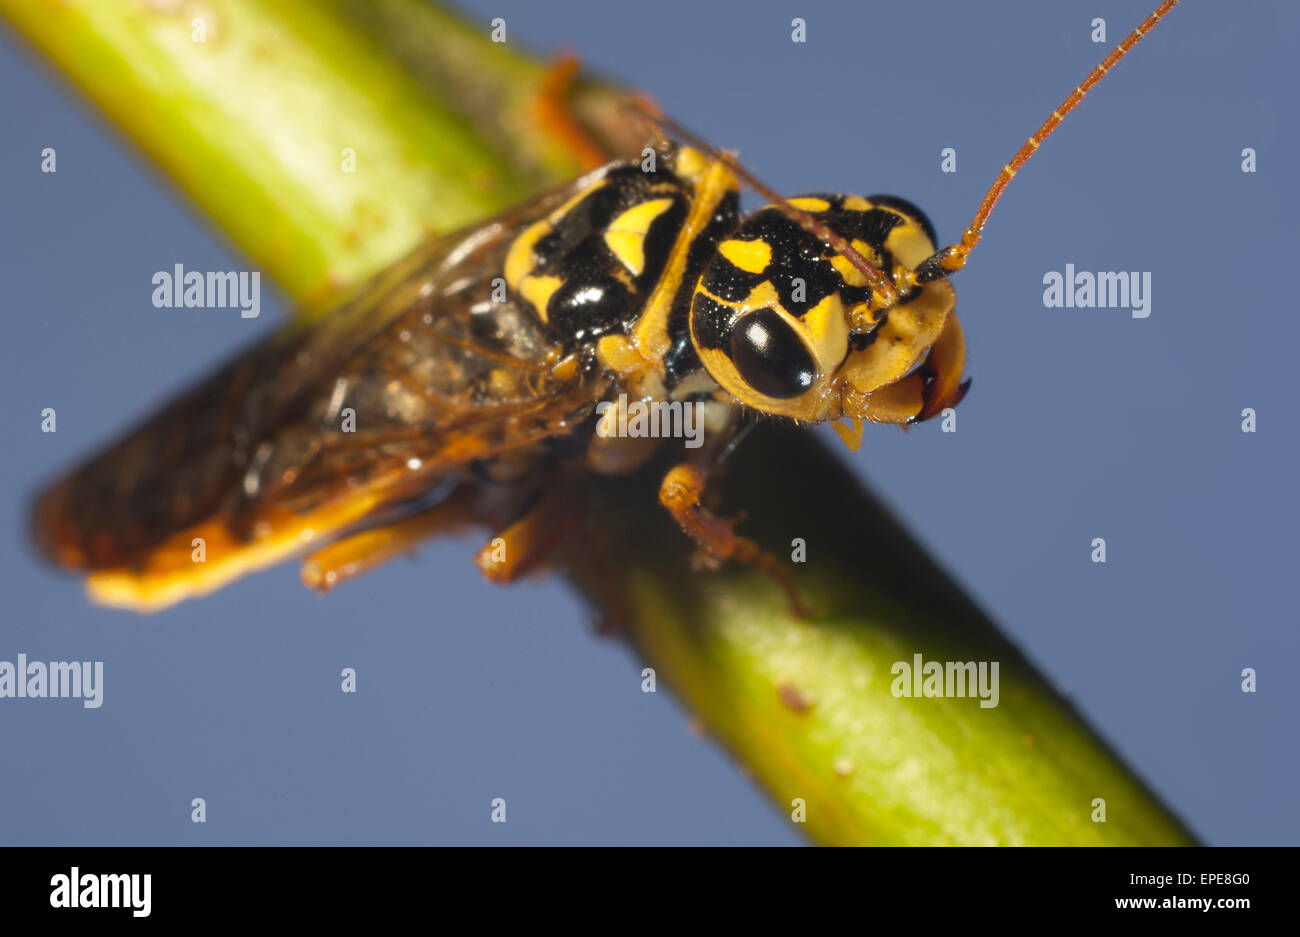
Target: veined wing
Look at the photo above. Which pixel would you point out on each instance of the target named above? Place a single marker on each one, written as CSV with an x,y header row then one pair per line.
x,y
319,426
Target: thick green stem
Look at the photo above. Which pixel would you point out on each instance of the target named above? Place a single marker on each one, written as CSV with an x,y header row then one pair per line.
x,y
296,127
255,123
809,707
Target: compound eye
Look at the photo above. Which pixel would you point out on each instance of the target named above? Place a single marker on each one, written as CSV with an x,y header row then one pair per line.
x,y
770,356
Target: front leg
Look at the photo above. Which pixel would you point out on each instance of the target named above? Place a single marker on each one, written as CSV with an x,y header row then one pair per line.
x,y
681,492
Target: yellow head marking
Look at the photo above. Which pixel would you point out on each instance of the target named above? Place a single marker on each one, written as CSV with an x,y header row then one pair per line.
x,y
826,330
811,204
802,362
909,244
750,256
851,274
909,331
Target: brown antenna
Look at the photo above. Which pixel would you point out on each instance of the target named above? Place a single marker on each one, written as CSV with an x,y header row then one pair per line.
x,y
953,258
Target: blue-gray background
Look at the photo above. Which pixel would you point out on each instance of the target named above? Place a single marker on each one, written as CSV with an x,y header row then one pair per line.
x,y
1082,423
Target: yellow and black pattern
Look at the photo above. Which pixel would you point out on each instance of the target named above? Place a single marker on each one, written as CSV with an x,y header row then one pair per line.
x,y
638,280
588,267
627,281
778,314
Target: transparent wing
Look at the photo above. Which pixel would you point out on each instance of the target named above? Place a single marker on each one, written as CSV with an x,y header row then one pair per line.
x,y
320,425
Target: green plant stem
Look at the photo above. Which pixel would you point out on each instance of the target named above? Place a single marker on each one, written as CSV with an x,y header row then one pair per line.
x,y
252,124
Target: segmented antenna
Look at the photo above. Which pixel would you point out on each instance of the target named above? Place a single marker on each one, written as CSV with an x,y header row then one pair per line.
x,y
953,258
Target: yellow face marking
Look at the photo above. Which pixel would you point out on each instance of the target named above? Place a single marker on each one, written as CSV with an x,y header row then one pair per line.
x,y
520,259
903,339
750,256
857,203
538,291
825,329
625,236
909,244
898,402
851,274
866,250
811,204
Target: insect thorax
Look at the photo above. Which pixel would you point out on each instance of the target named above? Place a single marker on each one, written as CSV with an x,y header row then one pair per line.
x,y
625,247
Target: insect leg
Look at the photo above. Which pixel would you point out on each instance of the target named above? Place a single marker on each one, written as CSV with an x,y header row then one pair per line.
x,y
512,553
350,557
681,492
528,541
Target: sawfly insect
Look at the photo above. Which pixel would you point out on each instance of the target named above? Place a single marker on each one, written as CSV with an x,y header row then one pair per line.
x,y
445,391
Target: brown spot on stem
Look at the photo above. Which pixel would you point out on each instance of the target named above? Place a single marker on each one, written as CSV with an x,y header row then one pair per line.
x,y
793,698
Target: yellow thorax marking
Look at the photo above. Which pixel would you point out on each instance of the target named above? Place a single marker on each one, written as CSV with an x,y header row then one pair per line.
x,y
538,292
625,236
520,258
712,181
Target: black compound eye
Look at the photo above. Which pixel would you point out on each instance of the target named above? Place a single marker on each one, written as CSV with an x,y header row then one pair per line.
x,y
770,356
